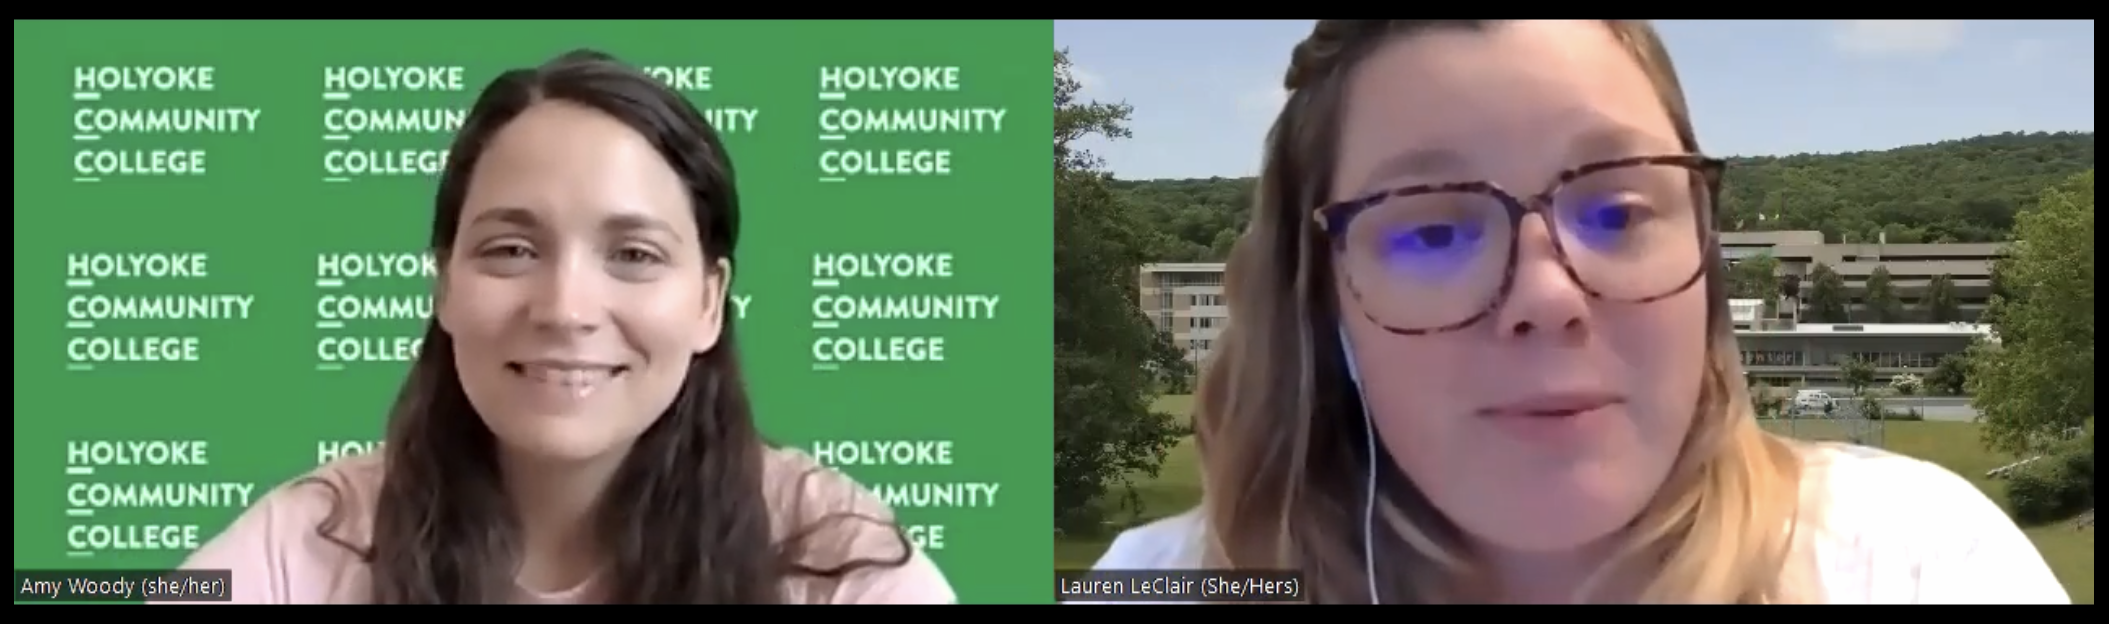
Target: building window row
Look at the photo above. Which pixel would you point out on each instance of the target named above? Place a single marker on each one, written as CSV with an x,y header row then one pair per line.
x,y
1880,359
1176,280
1774,358
1165,299
1893,359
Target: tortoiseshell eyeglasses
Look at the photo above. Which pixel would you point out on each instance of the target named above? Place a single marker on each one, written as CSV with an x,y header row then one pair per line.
x,y
1432,258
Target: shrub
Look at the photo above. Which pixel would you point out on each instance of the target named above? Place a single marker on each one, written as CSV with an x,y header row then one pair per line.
x,y
1912,414
2053,488
2077,468
2032,495
1907,384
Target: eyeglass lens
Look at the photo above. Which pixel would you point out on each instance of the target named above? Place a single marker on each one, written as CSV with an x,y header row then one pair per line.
x,y
1432,259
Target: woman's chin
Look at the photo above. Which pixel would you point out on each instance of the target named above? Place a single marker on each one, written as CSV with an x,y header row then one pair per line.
x,y
557,440
1564,514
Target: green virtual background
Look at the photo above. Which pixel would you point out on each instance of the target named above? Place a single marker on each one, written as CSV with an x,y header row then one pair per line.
x,y
216,289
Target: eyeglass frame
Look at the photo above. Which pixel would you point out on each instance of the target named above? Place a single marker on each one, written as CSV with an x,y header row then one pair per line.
x,y
1333,220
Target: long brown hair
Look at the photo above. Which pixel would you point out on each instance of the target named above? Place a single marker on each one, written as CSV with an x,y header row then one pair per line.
x,y
1285,460
686,518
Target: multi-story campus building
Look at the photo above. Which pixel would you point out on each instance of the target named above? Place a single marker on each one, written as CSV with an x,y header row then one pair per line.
x,y
1782,353
1911,267
1185,300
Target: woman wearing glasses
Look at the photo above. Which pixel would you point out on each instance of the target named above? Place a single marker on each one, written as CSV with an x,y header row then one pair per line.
x,y
1482,354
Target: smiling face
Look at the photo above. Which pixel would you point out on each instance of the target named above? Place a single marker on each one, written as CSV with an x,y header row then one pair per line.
x,y
1550,422
576,291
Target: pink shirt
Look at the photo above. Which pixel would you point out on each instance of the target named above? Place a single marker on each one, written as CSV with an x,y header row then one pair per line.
x,y
278,557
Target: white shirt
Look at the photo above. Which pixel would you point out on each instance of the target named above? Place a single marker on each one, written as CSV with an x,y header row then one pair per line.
x,y
1894,530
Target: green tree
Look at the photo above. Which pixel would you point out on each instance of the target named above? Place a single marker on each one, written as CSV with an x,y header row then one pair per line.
x,y
1950,375
1766,400
1107,354
1824,292
1755,277
1941,304
1859,377
1871,405
1883,305
2000,293
2039,381
1858,374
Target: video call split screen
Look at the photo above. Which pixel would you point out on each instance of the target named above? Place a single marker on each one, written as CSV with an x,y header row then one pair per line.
x,y
732,312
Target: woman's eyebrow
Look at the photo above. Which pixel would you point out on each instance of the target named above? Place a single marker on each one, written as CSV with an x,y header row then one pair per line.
x,y
1613,140
1414,163
633,222
1598,142
509,215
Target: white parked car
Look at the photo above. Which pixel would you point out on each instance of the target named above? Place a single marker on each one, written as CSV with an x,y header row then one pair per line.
x,y
1812,401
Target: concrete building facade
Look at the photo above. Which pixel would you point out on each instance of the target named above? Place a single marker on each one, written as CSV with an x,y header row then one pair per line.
x,y
1912,267
1782,354
1185,300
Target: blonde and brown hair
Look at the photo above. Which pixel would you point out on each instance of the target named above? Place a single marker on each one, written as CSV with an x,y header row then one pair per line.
x,y
1284,463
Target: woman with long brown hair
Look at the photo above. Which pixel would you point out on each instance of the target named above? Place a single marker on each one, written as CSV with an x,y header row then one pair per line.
x,y
1479,352
576,428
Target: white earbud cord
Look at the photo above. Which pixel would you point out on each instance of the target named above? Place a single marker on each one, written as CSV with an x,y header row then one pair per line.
x,y
1369,507
1369,495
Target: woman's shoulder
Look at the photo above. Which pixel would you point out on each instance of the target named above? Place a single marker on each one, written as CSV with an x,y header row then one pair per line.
x,y
1889,528
1858,491
799,488
301,543
1170,543
1176,542
840,523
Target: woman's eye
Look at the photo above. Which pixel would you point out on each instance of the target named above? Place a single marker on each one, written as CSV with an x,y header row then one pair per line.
x,y
636,256
1610,217
506,251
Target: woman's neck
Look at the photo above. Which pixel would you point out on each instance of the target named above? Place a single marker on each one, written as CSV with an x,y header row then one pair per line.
x,y
1552,577
557,504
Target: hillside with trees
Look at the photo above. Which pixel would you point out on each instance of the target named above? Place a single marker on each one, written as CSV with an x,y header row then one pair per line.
x,y
1966,190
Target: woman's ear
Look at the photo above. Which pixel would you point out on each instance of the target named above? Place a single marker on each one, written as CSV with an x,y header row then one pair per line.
x,y
439,293
717,290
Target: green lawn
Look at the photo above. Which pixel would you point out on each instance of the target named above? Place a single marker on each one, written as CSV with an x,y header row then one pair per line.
x,y
1950,444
